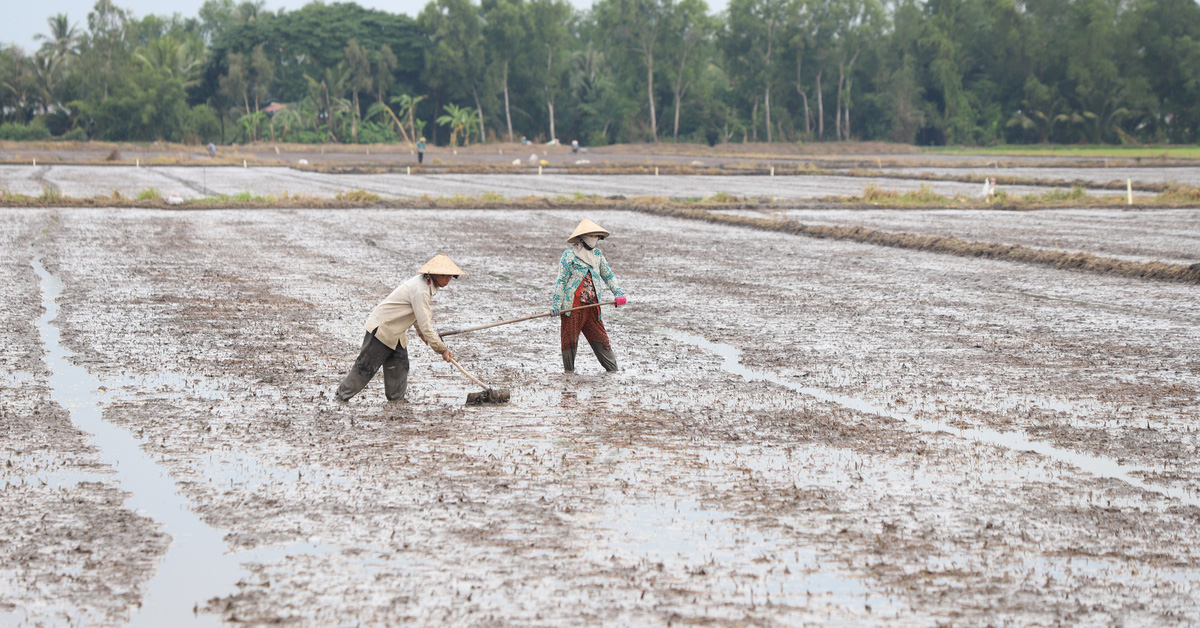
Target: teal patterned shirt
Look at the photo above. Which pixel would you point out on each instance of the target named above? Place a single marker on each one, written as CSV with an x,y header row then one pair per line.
x,y
572,273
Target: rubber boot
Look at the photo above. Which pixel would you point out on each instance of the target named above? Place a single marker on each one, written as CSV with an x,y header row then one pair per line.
x,y
607,358
568,360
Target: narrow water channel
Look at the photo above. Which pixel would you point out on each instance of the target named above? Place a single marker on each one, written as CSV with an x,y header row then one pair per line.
x,y
198,565
1095,465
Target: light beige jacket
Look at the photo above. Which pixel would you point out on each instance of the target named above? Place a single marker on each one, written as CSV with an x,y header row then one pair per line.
x,y
405,306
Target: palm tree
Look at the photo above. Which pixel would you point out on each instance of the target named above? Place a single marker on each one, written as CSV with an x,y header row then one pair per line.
x,y
405,110
63,37
389,116
171,58
287,116
460,120
47,73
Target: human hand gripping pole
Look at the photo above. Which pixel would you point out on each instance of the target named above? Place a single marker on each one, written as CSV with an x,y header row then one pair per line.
x,y
617,301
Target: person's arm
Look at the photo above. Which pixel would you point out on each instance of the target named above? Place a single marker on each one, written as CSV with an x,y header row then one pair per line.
x,y
560,300
425,327
607,275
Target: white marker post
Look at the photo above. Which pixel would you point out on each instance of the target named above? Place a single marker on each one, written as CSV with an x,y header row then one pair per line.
x,y
1129,191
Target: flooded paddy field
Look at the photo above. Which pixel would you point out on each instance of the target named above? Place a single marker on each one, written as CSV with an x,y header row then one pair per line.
x,y
190,182
1164,235
1185,175
802,431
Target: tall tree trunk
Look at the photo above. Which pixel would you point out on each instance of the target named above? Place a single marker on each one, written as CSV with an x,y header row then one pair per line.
x,y
847,107
803,95
650,93
507,114
754,121
354,118
820,108
479,108
677,101
841,81
768,108
550,108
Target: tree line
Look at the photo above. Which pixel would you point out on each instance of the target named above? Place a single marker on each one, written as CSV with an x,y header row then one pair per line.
x,y
930,72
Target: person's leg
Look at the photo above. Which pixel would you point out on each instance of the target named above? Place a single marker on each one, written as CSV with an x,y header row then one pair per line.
x,y
597,337
395,374
370,358
569,340
420,158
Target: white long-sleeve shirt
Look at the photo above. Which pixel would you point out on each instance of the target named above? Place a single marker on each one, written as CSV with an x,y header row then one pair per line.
x,y
406,306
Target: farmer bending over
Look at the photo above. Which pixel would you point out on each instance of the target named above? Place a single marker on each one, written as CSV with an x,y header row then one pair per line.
x,y
583,265
386,342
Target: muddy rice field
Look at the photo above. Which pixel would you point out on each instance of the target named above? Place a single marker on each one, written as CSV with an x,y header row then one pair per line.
x,y
191,182
801,432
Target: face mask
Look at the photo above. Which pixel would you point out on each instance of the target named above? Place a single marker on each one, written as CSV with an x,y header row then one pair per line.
x,y
590,241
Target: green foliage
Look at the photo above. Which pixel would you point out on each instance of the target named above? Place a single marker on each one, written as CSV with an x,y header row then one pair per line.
x,y
932,72
149,194
23,132
75,135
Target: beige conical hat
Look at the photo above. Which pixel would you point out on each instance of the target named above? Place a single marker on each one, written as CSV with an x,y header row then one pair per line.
x,y
441,265
587,227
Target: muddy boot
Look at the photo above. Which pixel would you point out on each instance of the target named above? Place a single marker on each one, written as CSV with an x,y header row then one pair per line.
x,y
569,360
607,358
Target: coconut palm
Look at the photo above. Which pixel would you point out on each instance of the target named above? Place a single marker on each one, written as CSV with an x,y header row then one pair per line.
x,y
63,38
406,110
47,75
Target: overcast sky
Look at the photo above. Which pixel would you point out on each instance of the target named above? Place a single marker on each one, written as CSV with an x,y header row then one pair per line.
x,y
20,20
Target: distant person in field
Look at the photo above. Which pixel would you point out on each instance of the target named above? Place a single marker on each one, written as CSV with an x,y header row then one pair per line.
x,y
582,267
421,150
386,341
212,150
574,146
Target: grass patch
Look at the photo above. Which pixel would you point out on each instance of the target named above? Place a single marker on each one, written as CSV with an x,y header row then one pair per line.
x,y
149,194
723,197
1180,193
50,195
358,196
492,197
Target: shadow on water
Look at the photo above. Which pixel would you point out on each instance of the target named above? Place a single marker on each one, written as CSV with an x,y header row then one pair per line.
x,y
198,566
1095,465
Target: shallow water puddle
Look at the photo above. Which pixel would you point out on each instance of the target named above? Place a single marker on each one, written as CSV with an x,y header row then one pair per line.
x,y
710,550
1095,465
197,567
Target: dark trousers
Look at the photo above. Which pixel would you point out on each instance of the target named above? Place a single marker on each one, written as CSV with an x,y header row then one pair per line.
x,y
420,158
373,355
588,322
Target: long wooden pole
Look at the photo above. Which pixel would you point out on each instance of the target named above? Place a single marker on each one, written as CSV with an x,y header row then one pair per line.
x,y
523,318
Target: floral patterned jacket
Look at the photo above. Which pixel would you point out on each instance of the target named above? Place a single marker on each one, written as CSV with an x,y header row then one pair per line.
x,y
572,273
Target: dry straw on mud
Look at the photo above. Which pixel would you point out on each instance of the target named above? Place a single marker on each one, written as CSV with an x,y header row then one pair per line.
x,y
946,244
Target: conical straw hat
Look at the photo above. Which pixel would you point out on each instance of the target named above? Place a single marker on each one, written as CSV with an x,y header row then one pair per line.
x,y
441,265
587,227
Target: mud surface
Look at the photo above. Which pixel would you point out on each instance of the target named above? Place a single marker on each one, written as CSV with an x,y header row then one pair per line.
x,y
802,431
1166,235
192,182
1186,175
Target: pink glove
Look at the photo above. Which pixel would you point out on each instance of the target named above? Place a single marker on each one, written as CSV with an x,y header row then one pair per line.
x,y
620,300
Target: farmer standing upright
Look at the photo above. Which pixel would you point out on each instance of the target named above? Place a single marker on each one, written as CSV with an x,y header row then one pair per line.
x,y
421,150
582,267
386,341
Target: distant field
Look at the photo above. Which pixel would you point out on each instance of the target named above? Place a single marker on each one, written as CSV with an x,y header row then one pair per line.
x,y
1055,150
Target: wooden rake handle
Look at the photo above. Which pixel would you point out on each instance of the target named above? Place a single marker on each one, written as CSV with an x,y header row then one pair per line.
x,y
472,377
523,318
